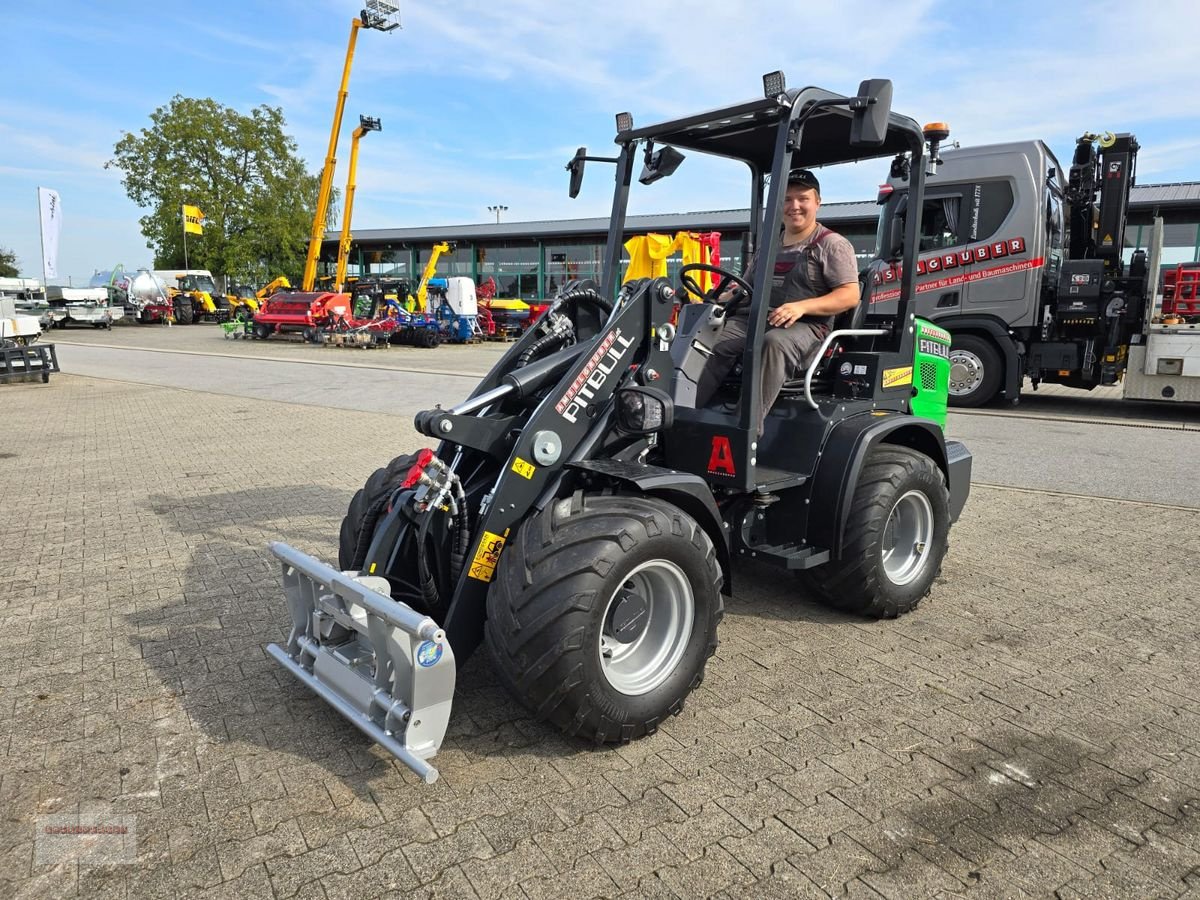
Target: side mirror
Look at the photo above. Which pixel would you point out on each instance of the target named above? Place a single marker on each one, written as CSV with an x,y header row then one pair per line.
x,y
575,167
871,108
664,162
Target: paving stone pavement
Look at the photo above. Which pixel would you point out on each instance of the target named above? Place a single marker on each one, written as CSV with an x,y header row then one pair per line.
x,y
1033,729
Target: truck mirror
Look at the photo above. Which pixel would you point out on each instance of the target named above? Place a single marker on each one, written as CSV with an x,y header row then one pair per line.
x,y
894,247
575,167
871,108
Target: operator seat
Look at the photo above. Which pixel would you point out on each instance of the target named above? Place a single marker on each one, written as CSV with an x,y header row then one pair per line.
x,y
850,319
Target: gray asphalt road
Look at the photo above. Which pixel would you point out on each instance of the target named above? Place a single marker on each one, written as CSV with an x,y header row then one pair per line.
x,y
1123,461
1138,456
402,392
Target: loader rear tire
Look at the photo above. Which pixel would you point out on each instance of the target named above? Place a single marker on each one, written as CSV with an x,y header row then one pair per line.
x,y
184,314
604,612
896,537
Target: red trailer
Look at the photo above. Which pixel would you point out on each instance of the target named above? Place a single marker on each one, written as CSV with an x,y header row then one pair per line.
x,y
1180,289
303,312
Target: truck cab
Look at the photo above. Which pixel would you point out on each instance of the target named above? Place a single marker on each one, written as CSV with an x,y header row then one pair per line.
x,y
992,239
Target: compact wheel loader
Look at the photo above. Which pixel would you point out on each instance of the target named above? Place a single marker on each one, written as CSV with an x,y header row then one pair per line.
x,y
582,516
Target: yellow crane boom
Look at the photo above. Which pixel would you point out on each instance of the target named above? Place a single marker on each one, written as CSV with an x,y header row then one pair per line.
x,y
430,268
379,15
365,124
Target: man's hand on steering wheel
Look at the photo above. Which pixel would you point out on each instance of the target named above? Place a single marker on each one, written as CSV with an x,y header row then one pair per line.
x,y
726,280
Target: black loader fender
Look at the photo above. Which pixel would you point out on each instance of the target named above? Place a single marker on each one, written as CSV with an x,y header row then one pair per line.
x,y
845,452
690,493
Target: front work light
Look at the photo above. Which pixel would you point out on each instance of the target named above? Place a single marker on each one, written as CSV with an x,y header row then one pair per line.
x,y
643,410
774,84
624,122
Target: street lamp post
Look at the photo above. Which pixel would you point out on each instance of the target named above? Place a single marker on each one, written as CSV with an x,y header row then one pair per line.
x,y
497,210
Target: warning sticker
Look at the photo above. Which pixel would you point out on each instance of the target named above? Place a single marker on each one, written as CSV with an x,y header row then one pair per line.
x,y
486,557
896,377
524,468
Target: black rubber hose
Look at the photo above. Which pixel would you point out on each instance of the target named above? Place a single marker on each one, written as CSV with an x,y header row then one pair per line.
x,y
535,349
591,295
553,340
463,537
429,591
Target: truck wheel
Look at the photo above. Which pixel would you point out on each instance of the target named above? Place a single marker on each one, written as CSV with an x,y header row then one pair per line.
x,y
896,537
975,371
603,613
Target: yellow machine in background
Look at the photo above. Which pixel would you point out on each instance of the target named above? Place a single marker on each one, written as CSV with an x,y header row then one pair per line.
x,y
648,254
365,124
382,16
194,295
422,295
264,294
241,299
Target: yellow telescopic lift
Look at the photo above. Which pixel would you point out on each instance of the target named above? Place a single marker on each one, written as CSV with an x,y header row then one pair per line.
x,y
382,16
365,124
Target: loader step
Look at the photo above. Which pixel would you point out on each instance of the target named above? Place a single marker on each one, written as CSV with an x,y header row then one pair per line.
x,y
768,480
790,556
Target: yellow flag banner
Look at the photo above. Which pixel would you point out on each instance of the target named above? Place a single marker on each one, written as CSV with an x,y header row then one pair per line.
x,y
193,220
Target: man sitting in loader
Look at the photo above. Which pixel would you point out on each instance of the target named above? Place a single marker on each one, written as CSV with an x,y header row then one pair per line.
x,y
816,278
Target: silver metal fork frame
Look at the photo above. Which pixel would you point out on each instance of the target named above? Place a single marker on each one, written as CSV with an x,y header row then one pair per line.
x,y
385,667
829,339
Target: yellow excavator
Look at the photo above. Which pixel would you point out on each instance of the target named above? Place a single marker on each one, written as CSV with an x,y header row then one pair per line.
x,y
365,124
382,16
262,295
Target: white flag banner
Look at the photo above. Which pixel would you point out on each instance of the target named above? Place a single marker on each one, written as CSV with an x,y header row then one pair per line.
x,y
50,209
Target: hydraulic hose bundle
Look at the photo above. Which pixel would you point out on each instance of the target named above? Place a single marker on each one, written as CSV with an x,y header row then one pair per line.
x,y
437,487
560,324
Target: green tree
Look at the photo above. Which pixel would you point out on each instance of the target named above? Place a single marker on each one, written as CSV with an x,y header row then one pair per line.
x,y
8,264
242,171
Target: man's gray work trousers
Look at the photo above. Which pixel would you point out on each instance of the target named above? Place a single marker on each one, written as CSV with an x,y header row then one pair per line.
x,y
785,353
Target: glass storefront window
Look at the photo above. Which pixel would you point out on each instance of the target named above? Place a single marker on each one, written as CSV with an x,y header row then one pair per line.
x,y
514,266
455,262
571,262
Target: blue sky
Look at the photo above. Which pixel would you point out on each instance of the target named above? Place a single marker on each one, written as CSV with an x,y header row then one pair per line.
x,y
483,102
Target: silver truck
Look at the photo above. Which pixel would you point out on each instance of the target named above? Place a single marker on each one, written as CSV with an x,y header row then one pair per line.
x,y
1022,261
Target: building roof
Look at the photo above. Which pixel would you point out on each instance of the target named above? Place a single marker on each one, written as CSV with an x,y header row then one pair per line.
x,y
1179,193
863,212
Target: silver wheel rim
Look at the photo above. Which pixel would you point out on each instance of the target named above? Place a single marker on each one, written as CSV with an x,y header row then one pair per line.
x,y
907,537
645,663
966,372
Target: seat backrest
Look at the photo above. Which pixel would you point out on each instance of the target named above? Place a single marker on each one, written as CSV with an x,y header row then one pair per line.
x,y
855,318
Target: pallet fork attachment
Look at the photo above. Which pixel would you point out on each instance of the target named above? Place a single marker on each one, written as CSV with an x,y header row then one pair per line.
x,y
341,625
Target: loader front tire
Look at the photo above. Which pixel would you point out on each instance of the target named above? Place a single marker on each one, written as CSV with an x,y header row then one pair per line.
x,y
604,612
896,537
366,507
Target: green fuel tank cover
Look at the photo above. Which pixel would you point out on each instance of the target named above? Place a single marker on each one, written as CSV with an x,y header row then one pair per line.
x,y
931,372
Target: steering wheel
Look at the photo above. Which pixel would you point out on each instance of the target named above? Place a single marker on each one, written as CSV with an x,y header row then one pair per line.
x,y
725,280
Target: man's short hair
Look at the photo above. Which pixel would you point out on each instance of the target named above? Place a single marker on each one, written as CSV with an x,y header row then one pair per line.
x,y
804,178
